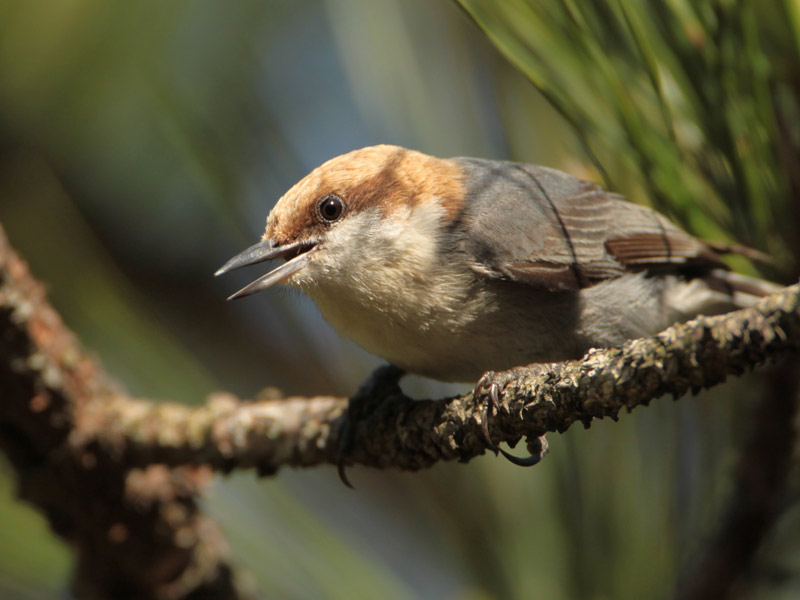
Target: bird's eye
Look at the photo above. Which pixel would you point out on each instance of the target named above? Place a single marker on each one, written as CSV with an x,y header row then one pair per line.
x,y
330,208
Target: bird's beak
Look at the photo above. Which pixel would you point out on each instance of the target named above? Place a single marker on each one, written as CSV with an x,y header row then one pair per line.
x,y
297,256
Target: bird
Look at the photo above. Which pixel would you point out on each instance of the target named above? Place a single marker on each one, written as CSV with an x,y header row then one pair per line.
x,y
455,268
465,269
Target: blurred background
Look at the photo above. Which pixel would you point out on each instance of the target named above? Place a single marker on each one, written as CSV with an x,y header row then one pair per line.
x,y
142,144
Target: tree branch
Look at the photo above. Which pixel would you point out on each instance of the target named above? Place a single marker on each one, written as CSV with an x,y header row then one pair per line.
x,y
409,434
72,436
137,533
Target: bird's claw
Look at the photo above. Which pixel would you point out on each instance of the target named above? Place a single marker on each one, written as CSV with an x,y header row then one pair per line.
x,y
487,385
382,382
538,447
345,445
492,384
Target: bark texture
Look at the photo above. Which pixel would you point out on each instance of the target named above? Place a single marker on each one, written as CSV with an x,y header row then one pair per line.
x,y
118,476
137,533
403,433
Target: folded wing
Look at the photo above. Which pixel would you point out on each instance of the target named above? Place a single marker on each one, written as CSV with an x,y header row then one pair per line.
x,y
548,229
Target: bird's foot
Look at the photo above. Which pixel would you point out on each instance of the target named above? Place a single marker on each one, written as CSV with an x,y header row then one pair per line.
x,y
383,382
491,388
492,384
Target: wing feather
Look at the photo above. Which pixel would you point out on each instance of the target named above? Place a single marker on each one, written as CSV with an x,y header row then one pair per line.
x,y
548,229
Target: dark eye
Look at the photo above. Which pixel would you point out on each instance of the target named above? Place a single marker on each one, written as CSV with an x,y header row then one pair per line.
x,y
330,208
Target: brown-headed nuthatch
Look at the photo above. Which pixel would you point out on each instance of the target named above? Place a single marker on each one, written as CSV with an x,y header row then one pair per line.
x,y
449,268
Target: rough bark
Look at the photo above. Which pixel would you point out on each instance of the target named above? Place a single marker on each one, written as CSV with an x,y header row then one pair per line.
x,y
137,533
409,434
118,475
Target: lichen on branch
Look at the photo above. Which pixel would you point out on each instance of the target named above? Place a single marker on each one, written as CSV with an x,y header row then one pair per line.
x,y
136,533
403,433
104,466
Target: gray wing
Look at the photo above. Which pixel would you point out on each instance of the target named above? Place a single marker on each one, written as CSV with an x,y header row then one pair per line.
x,y
548,229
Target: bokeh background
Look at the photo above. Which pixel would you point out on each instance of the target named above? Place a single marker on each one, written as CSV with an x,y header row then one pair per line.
x,y
143,143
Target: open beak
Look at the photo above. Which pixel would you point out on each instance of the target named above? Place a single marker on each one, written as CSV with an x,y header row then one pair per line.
x,y
297,256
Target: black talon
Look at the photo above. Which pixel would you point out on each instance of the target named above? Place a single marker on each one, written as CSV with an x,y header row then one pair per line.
x,y
340,469
345,444
381,383
522,461
538,448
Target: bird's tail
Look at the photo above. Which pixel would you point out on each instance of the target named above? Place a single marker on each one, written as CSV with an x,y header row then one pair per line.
x,y
740,290
717,292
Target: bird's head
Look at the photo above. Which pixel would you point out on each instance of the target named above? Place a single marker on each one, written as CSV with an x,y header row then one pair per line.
x,y
376,206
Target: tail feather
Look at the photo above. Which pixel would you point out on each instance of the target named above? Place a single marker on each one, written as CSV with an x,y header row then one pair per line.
x,y
717,292
741,290
746,251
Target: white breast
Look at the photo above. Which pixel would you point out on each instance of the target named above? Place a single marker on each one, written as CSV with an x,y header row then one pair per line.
x,y
381,282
